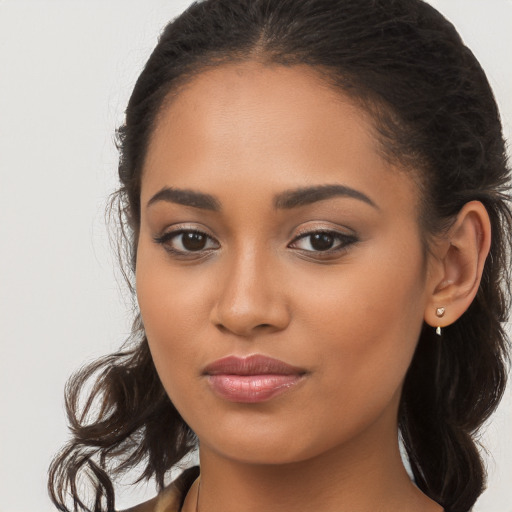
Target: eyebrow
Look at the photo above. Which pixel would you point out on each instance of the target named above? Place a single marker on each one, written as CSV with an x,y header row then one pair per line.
x,y
304,196
285,200
186,197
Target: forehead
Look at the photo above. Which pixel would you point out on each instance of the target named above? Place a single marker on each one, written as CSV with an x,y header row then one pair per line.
x,y
248,123
272,102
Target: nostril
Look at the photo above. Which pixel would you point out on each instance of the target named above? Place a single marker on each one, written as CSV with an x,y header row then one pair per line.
x,y
248,317
243,331
222,328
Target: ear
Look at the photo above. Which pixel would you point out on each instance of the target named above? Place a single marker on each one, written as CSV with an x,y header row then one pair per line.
x,y
457,265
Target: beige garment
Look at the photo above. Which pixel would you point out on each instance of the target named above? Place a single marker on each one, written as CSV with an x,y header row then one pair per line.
x,y
172,497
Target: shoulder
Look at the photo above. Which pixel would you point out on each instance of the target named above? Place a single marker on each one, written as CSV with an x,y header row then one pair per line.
x,y
168,500
172,497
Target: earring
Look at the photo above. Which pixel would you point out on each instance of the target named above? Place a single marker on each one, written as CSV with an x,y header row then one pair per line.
x,y
439,313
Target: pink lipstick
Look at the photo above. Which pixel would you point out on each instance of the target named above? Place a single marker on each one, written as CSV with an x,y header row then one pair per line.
x,y
252,379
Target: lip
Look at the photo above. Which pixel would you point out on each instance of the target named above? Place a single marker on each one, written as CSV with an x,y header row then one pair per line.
x,y
251,379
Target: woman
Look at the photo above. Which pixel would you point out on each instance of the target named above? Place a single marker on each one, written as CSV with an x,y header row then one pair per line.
x,y
309,190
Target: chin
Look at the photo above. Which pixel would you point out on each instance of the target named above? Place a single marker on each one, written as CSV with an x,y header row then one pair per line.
x,y
270,445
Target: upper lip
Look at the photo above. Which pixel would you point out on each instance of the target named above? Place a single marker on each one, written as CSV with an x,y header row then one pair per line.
x,y
251,365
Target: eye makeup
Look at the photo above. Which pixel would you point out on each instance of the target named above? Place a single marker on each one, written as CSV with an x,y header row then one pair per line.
x,y
189,242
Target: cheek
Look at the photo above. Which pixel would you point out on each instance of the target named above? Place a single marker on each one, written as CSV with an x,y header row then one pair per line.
x,y
367,317
170,300
173,307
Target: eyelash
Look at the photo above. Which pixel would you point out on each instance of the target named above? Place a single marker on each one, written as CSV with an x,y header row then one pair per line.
x,y
343,242
166,239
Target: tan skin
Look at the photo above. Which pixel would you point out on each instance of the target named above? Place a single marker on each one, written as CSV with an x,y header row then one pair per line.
x,y
257,282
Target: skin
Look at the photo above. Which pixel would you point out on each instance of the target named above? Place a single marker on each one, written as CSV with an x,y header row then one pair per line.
x,y
350,317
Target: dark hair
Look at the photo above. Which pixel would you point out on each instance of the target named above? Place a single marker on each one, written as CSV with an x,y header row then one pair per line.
x,y
435,114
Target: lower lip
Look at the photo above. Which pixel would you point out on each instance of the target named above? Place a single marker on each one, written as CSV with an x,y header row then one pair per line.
x,y
252,388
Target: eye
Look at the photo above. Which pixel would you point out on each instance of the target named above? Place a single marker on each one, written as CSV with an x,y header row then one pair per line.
x,y
187,241
322,241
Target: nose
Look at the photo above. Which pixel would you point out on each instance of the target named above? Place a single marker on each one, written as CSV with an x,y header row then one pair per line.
x,y
250,298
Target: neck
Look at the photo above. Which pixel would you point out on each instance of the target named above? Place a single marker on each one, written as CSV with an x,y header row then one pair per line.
x,y
366,474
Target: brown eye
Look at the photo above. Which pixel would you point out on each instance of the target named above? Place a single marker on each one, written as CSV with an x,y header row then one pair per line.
x,y
193,241
321,241
329,242
187,241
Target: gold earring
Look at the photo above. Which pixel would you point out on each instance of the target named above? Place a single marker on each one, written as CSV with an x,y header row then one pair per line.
x,y
439,313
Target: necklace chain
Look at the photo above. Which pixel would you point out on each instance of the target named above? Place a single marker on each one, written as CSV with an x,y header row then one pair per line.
x,y
197,499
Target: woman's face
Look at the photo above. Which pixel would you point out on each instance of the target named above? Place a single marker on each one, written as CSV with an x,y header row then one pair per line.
x,y
273,228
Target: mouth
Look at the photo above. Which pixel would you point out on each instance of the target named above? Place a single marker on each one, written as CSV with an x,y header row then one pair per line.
x,y
252,379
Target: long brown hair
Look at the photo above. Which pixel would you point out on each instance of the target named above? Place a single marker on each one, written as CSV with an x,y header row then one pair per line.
x,y
436,115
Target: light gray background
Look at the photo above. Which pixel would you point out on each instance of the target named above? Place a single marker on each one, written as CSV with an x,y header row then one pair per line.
x,y
66,71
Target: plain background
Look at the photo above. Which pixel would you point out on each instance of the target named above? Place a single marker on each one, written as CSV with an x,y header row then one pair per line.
x,y
66,71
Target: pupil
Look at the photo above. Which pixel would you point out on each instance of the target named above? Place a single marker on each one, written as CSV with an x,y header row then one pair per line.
x,y
322,241
193,241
